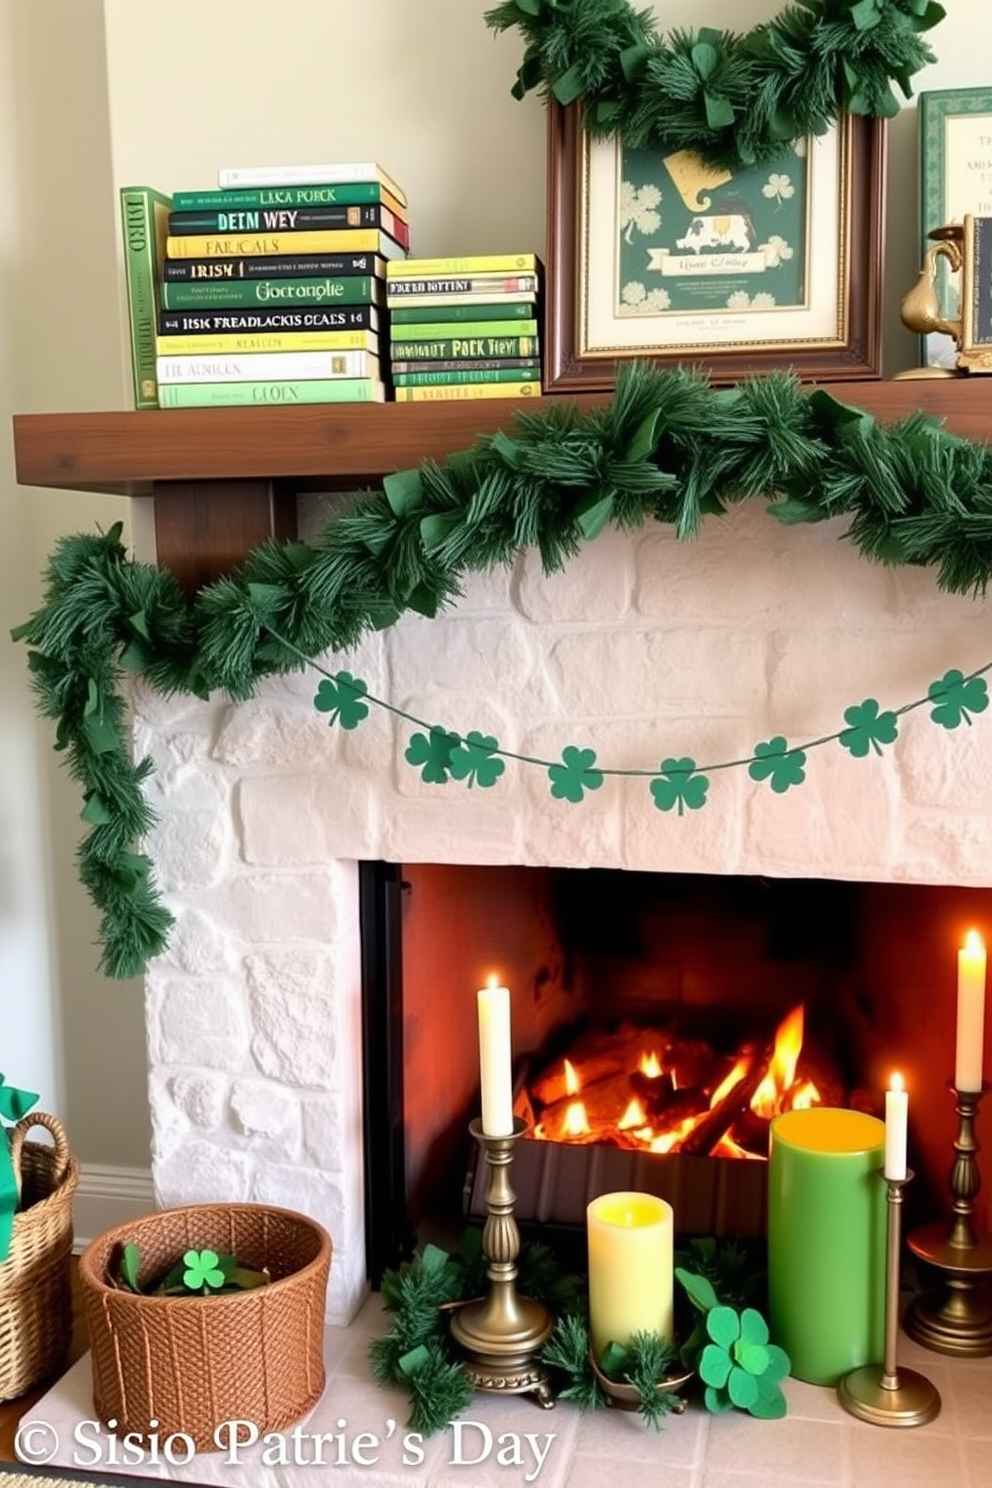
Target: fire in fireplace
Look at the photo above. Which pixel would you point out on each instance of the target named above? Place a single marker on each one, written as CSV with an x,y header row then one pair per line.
x,y
650,1089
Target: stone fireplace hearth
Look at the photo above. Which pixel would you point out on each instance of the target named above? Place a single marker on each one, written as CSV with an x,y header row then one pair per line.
x,y
642,648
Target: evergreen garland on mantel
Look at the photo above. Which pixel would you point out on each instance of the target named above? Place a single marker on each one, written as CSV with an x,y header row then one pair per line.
x,y
668,448
735,100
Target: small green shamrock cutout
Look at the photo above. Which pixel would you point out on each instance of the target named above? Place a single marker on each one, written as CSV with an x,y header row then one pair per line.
x,y
957,699
341,697
739,1367
869,729
681,787
781,766
203,1270
473,760
434,752
575,775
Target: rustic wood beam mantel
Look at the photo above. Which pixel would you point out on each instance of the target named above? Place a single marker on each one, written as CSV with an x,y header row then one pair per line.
x,y
223,480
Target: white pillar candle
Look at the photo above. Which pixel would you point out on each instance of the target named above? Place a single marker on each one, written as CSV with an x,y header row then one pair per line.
x,y
971,1013
896,1121
495,1060
631,1243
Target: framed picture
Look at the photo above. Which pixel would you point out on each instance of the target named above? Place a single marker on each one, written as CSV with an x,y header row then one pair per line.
x,y
955,181
665,258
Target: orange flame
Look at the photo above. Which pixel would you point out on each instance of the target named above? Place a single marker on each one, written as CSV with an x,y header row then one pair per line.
x,y
666,1140
727,1084
572,1082
767,1099
650,1065
576,1122
804,1096
633,1116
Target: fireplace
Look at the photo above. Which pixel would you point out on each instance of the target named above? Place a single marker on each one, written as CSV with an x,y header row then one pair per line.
x,y
660,1022
643,648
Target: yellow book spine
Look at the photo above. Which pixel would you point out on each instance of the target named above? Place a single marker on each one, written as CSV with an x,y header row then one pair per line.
x,y
245,245
455,391
267,341
485,263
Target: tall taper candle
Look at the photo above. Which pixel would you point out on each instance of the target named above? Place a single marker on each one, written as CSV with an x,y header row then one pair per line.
x,y
630,1267
896,1117
971,1013
495,1060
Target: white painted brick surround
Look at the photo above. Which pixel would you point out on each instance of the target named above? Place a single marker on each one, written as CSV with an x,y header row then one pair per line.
x,y
642,648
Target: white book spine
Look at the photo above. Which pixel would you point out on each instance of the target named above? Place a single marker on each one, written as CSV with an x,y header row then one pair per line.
x,y
275,366
229,177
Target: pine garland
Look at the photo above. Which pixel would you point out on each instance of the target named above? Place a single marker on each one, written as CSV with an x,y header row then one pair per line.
x,y
735,100
668,448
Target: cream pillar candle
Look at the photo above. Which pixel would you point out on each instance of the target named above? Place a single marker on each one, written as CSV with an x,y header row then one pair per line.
x,y
896,1120
631,1242
971,1014
495,1060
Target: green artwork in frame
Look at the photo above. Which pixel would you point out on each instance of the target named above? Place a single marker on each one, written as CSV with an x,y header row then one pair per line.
x,y
694,240
955,179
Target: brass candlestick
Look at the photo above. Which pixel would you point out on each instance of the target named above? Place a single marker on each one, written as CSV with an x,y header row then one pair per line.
x,y
883,1393
956,1318
501,1335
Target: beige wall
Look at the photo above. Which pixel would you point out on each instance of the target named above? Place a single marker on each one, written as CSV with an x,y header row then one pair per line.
x,y
96,95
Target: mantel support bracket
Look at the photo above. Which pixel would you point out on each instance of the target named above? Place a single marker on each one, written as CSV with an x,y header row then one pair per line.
x,y
203,529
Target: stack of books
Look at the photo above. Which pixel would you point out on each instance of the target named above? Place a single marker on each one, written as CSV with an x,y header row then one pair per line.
x,y
273,287
465,327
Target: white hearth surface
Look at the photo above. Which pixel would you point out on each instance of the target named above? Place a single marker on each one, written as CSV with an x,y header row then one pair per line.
x,y
816,1444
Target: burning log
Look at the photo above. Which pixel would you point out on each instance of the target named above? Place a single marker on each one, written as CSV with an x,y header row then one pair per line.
x,y
707,1132
600,1057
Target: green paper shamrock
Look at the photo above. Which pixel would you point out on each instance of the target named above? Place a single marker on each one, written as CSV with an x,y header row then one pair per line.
x,y
739,1367
575,775
203,1271
781,766
473,760
434,752
681,786
957,699
869,729
341,697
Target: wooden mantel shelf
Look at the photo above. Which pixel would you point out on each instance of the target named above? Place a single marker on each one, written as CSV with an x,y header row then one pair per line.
x,y
225,479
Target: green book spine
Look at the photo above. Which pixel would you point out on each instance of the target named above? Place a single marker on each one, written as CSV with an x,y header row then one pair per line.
x,y
443,379
189,295
347,194
426,331
226,394
464,348
442,314
145,226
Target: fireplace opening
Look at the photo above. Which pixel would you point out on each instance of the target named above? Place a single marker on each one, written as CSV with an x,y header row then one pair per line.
x,y
659,1022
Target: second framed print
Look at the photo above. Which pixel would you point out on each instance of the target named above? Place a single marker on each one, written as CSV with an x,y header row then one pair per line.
x,y
664,258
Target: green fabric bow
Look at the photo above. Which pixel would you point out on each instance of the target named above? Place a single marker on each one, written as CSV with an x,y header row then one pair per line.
x,y
14,1104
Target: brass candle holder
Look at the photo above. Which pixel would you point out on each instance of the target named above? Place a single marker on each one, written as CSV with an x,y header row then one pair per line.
x,y
884,1394
501,1335
956,1317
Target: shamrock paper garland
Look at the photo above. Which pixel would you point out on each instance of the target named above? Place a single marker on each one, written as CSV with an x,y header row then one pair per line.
x,y
678,785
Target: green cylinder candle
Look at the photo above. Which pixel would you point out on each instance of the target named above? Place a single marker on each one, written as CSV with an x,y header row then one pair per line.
x,y
826,1241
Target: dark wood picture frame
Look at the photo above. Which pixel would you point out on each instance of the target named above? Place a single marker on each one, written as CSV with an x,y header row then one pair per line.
x,y
567,369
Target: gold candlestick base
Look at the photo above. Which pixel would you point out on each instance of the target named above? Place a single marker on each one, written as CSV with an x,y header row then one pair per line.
x,y
501,1335
956,1317
912,1401
883,1394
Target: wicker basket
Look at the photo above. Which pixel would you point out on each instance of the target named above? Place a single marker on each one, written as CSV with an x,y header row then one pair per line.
x,y
191,1363
35,1277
